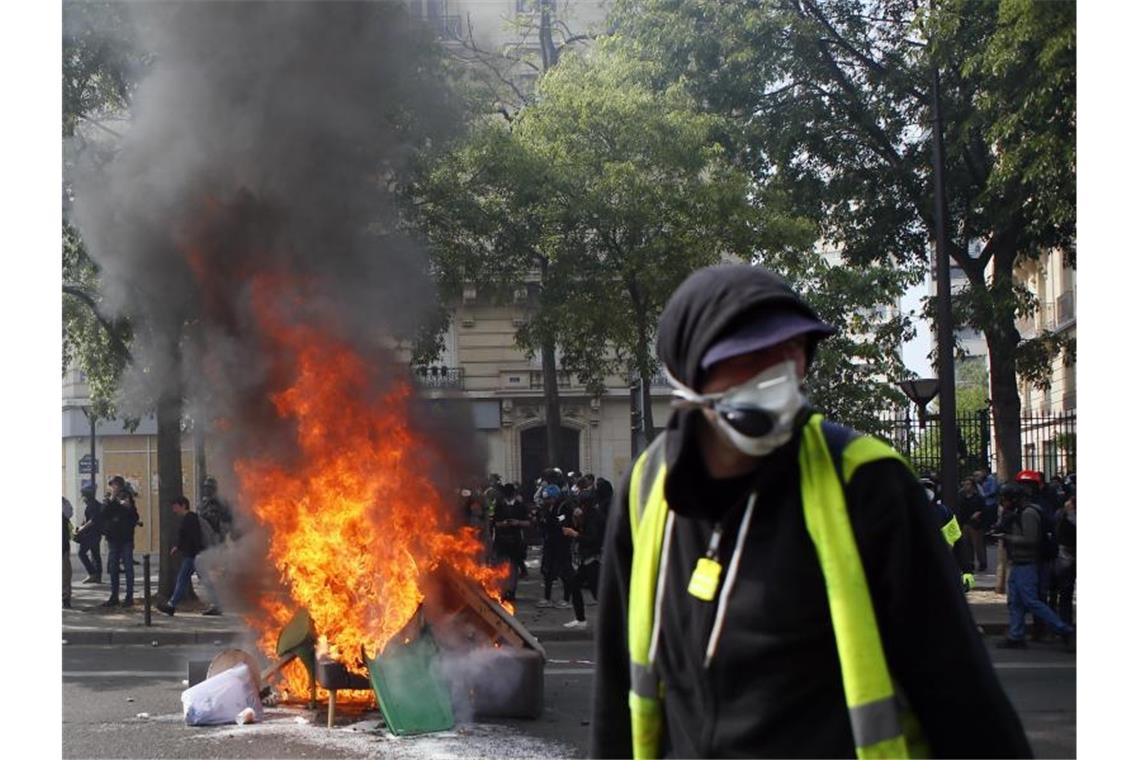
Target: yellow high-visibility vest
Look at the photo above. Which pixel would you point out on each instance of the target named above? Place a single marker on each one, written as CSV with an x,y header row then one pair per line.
x,y
879,724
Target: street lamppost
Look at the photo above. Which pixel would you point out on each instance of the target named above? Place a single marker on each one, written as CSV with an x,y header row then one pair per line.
x,y
921,391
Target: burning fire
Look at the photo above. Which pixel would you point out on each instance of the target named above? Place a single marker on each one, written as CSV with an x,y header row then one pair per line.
x,y
353,521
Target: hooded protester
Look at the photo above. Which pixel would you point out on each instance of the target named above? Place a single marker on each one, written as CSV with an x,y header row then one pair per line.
x,y
774,584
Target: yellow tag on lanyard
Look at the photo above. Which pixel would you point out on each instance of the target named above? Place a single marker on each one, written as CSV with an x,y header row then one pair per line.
x,y
706,576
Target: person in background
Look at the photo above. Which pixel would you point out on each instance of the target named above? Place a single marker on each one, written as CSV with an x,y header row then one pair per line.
x,y
587,533
190,544
1021,530
971,516
605,492
1032,483
120,516
1065,566
475,517
66,553
951,531
510,519
556,554
90,535
214,509
520,558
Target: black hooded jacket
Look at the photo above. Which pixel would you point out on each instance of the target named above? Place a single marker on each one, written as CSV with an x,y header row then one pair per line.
x,y
774,686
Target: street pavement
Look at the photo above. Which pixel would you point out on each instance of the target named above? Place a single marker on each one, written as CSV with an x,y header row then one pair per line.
x,y
122,681
123,701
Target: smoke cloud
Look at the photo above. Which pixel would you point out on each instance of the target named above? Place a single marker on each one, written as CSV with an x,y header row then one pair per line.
x,y
266,142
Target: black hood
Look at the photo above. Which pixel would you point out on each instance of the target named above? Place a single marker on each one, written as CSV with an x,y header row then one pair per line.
x,y
707,304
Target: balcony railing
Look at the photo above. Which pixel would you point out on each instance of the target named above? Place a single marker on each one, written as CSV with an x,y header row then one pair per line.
x,y
441,378
656,380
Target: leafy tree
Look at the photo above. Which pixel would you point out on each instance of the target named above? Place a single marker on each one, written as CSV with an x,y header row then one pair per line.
x,y
831,105
612,191
480,204
641,196
101,66
504,78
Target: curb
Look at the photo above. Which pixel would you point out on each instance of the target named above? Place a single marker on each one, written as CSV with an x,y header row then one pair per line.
x,y
152,637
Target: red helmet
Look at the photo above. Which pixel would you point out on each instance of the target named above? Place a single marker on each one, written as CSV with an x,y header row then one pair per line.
x,y
1029,476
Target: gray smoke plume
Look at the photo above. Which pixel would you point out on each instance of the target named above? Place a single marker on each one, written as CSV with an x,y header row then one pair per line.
x,y
266,142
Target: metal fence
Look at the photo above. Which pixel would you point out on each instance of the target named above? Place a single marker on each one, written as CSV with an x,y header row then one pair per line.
x,y
1048,441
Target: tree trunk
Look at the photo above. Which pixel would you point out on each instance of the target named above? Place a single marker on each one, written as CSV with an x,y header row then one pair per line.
x,y
1006,402
546,36
1002,339
169,482
553,413
550,387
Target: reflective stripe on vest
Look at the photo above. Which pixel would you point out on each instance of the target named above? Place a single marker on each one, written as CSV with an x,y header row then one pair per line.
x,y
647,528
872,705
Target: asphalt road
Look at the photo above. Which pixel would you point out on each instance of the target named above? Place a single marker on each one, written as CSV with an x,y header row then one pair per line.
x,y
105,689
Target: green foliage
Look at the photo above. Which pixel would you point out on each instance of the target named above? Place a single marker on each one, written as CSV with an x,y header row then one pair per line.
x,y
641,196
829,105
101,64
612,191
91,343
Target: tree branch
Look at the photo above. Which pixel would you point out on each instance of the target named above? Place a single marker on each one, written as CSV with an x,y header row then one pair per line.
x,y
77,292
866,60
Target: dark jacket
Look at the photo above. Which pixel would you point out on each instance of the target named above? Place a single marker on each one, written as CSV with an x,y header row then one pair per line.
x,y
509,539
119,519
590,533
970,503
1067,532
774,687
92,529
190,542
555,543
66,535
1023,535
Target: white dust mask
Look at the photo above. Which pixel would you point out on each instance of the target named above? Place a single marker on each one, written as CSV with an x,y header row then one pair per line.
x,y
757,416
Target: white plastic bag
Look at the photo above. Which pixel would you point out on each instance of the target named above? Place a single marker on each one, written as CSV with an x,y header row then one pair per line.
x,y
218,699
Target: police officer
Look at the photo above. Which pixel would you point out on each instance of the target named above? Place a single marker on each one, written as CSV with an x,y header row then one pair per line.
x,y
774,584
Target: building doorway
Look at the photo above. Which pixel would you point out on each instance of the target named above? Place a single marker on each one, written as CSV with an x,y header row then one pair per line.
x,y
532,443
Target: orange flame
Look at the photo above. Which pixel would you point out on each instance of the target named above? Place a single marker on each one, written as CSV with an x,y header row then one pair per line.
x,y
353,521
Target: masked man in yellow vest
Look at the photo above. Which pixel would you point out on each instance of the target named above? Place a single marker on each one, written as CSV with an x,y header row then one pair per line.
x,y
774,584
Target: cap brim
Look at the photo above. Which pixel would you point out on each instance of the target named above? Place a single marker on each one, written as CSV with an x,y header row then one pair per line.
x,y
763,333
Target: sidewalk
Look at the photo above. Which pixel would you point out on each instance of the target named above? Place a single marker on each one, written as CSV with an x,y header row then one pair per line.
x,y
87,623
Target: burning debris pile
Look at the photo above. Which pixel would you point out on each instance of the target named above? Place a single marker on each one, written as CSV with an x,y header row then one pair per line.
x,y
248,230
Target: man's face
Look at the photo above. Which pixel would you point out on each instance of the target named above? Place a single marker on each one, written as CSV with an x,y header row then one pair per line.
x,y
115,488
739,369
179,510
